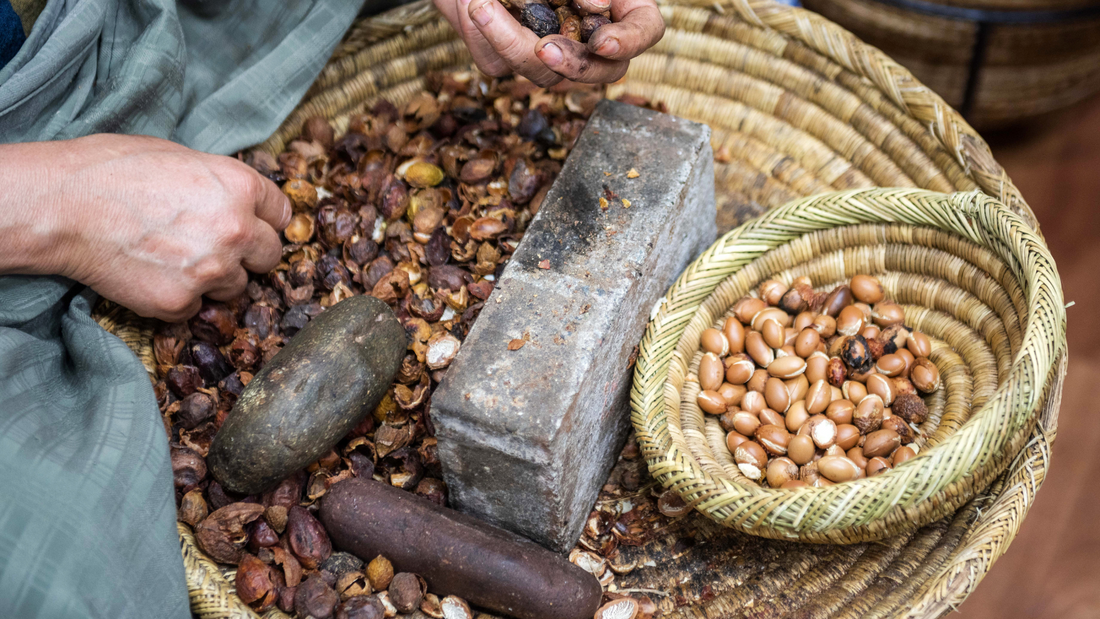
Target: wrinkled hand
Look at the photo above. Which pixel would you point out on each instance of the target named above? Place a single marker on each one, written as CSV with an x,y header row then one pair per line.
x,y
154,226
500,45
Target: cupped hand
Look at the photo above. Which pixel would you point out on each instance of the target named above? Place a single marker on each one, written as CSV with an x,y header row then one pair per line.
x,y
155,226
500,45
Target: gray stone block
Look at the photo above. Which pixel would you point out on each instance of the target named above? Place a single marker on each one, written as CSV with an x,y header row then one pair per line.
x,y
528,436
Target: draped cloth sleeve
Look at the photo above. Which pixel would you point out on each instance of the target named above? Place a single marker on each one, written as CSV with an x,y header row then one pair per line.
x,y
87,507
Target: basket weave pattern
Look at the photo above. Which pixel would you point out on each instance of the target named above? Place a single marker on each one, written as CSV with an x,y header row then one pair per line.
x,y
674,436
814,110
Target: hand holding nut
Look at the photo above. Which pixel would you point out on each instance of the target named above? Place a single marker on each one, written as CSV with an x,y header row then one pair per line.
x,y
145,222
500,44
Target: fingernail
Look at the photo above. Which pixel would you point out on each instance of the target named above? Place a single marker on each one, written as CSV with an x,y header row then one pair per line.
x,y
482,15
609,47
550,54
602,4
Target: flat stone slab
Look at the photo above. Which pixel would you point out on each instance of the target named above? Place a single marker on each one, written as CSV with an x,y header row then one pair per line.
x,y
528,435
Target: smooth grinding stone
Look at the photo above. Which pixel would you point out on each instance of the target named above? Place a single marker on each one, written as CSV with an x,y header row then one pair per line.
x,y
316,389
528,436
457,554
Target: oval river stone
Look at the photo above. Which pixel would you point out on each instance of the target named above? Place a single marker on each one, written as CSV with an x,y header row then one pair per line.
x,y
333,373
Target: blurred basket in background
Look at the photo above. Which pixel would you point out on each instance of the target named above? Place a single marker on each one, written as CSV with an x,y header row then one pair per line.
x,y
996,61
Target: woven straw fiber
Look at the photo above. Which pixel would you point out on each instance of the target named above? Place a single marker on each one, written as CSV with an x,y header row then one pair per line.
x,y
798,107
998,381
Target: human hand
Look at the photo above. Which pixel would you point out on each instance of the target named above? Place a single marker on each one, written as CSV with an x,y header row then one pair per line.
x,y
148,223
500,45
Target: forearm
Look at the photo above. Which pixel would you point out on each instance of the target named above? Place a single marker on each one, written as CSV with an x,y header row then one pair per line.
x,y
35,226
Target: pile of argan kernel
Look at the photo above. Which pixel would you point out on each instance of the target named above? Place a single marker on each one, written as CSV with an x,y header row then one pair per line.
x,y
817,388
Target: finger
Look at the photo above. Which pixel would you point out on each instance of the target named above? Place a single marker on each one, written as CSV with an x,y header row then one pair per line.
x,y
514,43
181,314
571,60
594,6
265,250
230,287
272,205
485,57
638,26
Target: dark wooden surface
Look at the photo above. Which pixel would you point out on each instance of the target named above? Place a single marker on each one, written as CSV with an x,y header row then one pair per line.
x,y
1052,569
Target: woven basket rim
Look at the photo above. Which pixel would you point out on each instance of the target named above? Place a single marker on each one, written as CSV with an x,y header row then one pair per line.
x,y
972,215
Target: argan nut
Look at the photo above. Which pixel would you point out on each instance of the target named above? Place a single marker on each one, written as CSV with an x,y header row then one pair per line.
x,y
758,349
300,229
751,459
796,416
903,454
423,174
770,417
406,592
711,402
924,375
850,321
745,423
869,333
910,408
840,411
794,483
809,473
866,289
919,344
352,584
855,454
853,391
731,393
776,395
739,369
770,313
733,439
861,376
774,439
711,372
746,308
772,333
797,387
881,443
753,402
837,468
796,299
735,334
714,341
801,449
881,386
758,381
787,367
887,314
380,573
825,325
897,424
837,300
454,607
909,361
818,397
807,342
856,354
890,365
868,414
903,386
835,372
781,471
894,338
847,436
877,466
822,430
771,291
816,366
590,24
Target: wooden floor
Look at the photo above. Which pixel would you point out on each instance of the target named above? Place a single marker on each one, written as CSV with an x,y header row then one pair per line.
x,y
1052,570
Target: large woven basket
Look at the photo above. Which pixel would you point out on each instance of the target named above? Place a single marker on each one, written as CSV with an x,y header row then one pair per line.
x,y
798,106
969,273
998,61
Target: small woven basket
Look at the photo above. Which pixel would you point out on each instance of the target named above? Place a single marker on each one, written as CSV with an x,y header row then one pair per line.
x,y
798,106
969,273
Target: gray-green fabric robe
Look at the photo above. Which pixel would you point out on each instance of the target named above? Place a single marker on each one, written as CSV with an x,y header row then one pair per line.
x,y
87,515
